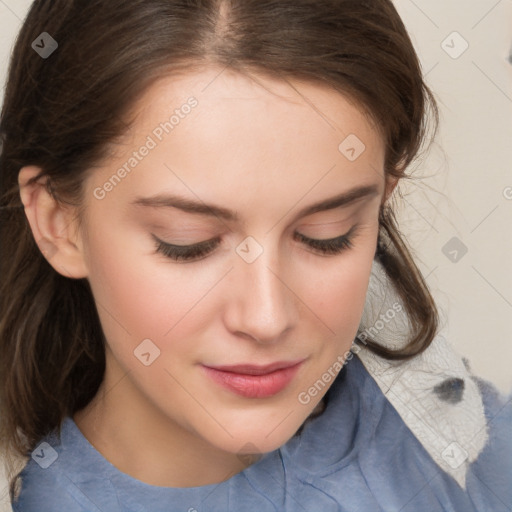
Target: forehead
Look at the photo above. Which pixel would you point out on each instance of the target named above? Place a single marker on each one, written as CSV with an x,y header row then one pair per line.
x,y
225,90
245,133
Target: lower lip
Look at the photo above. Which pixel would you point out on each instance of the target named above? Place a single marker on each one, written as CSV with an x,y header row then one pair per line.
x,y
254,386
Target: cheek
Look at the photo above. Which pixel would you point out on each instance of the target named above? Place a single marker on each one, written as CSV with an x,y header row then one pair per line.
x,y
140,296
337,293
340,301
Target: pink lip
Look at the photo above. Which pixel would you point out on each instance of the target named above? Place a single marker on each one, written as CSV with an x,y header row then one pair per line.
x,y
254,381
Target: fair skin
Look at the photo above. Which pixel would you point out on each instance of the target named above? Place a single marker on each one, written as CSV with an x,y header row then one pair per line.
x,y
266,156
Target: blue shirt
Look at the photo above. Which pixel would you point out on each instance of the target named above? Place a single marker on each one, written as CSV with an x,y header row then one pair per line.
x,y
358,456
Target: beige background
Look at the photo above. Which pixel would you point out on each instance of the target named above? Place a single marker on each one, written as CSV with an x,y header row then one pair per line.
x,y
465,190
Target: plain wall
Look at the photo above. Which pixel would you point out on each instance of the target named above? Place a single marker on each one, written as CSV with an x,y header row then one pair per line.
x,y
463,192
466,189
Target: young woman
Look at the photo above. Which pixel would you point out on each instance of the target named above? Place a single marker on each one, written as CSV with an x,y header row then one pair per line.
x,y
206,301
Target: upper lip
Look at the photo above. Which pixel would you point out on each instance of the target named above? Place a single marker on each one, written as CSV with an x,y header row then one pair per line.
x,y
251,369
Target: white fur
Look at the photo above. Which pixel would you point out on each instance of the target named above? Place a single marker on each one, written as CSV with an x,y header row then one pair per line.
x,y
454,434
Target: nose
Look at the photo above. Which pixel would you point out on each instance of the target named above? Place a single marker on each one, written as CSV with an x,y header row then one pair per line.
x,y
262,305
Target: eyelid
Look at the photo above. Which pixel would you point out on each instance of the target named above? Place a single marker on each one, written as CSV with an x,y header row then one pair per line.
x,y
324,223
211,241
186,246
197,252
345,238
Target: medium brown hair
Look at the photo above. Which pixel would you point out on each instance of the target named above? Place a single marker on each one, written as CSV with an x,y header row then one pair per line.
x,y
61,113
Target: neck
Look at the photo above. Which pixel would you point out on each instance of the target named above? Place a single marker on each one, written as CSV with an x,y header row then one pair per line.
x,y
139,440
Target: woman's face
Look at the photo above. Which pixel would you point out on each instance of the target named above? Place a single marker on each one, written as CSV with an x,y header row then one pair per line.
x,y
247,164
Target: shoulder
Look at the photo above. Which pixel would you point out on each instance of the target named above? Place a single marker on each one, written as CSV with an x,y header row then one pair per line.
x,y
361,452
492,471
461,420
424,435
44,491
497,405
52,480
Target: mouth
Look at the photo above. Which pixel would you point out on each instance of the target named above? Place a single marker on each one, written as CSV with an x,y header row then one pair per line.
x,y
253,381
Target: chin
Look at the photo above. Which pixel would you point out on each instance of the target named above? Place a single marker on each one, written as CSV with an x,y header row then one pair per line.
x,y
259,435
254,444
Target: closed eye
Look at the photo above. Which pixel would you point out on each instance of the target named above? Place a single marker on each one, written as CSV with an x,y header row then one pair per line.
x,y
190,253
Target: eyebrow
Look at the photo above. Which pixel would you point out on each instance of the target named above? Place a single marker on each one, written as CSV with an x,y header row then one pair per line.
x,y
187,205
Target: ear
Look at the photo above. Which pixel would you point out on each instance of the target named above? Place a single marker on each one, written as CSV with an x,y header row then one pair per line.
x,y
52,224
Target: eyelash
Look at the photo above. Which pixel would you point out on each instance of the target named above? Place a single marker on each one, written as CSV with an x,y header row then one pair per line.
x,y
195,252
